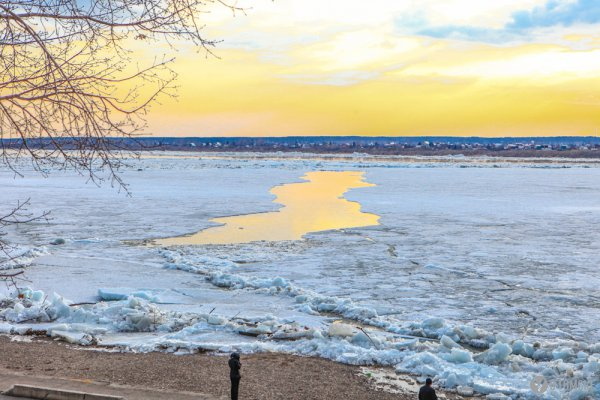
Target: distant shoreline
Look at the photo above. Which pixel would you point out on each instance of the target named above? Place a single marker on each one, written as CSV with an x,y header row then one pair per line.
x,y
573,154
574,147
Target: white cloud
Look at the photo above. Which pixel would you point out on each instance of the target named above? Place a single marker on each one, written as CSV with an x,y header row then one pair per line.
x,y
325,14
535,66
348,33
347,41
476,13
358,49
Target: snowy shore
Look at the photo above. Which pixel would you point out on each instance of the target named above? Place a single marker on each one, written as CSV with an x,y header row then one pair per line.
x,y
265,376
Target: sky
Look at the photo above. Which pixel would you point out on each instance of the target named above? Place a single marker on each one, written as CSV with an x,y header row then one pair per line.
x,y
391,67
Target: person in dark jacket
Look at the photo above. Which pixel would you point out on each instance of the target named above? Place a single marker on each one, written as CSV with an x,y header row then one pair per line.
x,y
427,392
234,373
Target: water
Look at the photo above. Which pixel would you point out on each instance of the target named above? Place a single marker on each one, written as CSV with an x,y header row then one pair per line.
x,y
474,245
510,249
312,206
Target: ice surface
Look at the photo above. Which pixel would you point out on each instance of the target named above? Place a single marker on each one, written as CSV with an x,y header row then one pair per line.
x,y
112,294
496,354
15,256
483,278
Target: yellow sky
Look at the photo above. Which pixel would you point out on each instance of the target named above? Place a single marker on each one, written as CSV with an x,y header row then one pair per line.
x,y
451,67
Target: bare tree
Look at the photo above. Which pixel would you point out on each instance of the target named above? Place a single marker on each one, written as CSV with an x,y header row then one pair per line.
x,y
69,83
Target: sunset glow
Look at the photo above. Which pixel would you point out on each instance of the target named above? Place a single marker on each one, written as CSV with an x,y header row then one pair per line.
x,y
452,67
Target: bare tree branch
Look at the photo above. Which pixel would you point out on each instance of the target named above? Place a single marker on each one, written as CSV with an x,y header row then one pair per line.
x,y
17,215
69,82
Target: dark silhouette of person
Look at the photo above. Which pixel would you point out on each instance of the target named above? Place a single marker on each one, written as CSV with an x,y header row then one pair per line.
x,y
234,373
427,392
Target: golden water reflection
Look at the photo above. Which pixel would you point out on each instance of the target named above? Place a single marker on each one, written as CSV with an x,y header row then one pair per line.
x,y
312,206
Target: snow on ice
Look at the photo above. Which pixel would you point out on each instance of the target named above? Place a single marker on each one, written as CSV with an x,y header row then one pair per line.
x,y
483,278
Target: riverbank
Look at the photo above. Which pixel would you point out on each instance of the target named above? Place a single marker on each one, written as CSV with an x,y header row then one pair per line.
x,y
265,376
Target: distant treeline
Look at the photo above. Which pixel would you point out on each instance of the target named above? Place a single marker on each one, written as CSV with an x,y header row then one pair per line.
x,y
562,146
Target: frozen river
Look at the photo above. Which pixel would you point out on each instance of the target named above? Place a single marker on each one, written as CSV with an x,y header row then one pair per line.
x,y
483,253
316,205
